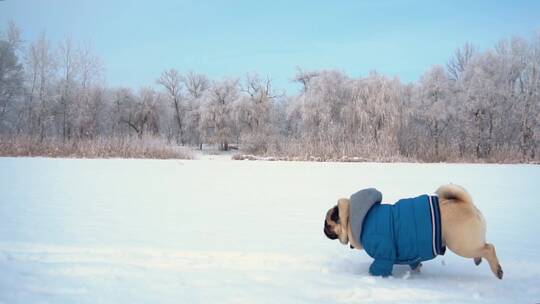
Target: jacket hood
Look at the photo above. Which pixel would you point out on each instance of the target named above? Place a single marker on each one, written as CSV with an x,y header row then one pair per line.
x,y
360,203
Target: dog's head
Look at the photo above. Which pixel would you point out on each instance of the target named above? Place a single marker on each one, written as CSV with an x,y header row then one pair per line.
x,y
337,220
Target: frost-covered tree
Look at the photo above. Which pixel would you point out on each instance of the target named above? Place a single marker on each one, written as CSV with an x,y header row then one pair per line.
x,y
304,77
379,99
433,111
322,106
140,112
79,94
67,86
196,86
484,106
217,121
171,80
341,116
459,61
41,76
11,79
253,113
528,110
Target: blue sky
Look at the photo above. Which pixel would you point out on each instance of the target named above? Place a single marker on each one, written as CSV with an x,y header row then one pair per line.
x,y
139,39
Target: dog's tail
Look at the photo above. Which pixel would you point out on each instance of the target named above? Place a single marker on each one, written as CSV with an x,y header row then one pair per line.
x,y
455,193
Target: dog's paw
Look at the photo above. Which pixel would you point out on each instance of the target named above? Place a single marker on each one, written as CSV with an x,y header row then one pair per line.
x,y
500,272
477,261
416,267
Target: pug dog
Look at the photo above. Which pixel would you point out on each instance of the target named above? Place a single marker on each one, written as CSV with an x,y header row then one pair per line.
x,y
412,230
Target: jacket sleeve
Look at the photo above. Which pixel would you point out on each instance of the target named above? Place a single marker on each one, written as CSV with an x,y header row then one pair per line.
x,y
381,267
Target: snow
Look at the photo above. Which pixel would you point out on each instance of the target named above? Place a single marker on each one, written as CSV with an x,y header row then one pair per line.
x,y
213,231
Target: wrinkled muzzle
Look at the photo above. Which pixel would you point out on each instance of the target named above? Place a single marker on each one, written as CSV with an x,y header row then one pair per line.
x,y
328,232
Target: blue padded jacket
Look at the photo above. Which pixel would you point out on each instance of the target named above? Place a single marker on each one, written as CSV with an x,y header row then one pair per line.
x,y
407,232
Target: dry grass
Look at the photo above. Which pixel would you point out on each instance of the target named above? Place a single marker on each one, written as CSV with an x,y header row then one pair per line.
x,y
342,159
110,147
301,150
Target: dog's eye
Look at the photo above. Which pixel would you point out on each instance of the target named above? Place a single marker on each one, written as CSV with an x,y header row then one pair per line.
x,y
335,215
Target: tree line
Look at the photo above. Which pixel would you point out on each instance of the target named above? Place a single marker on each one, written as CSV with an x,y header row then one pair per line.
x,y
483,105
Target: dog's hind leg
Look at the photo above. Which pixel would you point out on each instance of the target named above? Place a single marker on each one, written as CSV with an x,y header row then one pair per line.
x,y
477,261
488,252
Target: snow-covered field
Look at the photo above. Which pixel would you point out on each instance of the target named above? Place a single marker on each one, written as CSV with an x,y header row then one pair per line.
x,y
217,231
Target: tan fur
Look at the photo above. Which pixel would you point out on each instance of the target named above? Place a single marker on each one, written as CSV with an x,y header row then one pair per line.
x,y
463,226
343,207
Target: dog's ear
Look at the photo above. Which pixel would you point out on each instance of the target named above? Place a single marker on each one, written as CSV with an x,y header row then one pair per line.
x,y
343,207
343,210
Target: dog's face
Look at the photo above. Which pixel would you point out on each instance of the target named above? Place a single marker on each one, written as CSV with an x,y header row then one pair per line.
x,y
336,221
331,222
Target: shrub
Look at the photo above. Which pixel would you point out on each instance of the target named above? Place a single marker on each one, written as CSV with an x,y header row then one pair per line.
x,y
101,147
